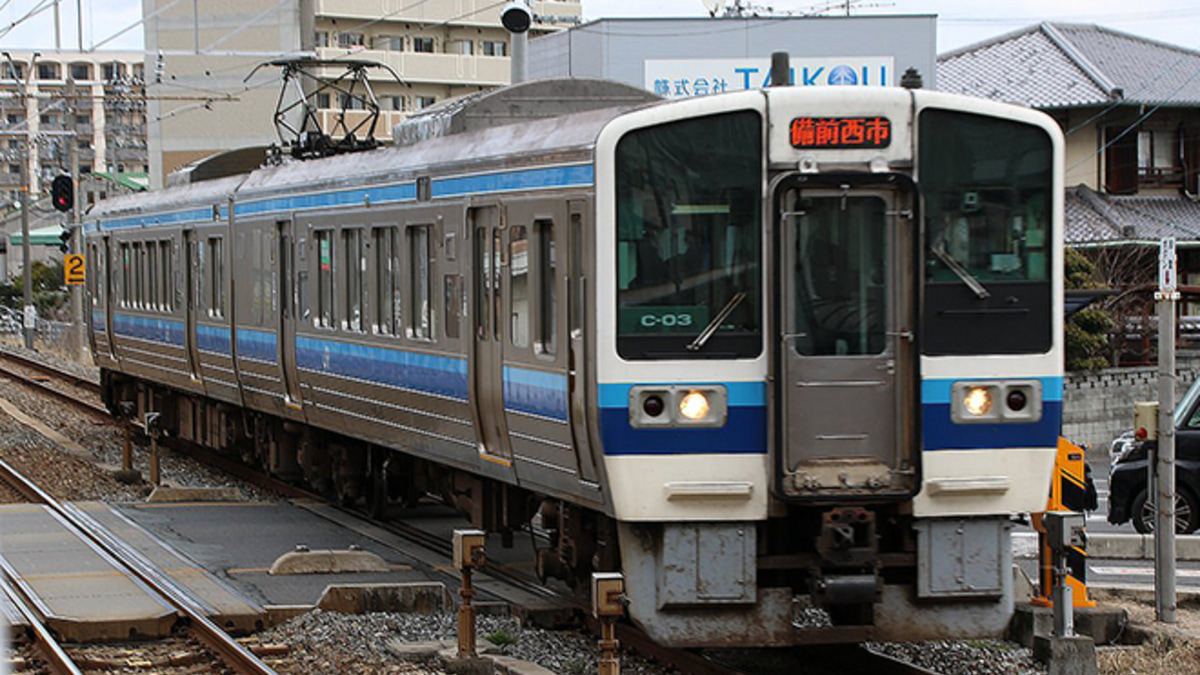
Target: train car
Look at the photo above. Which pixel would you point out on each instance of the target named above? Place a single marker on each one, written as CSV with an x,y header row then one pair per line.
x,y
789,359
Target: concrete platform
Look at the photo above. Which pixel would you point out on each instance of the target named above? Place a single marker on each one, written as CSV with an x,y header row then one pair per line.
x,y
76,590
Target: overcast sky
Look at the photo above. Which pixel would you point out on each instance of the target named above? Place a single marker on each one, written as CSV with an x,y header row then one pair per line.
x,y
960,22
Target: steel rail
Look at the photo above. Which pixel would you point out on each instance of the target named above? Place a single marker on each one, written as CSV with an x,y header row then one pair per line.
x,y
48,369
57,660
230,651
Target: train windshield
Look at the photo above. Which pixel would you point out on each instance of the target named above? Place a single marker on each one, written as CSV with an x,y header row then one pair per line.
x,y
689,239
987,186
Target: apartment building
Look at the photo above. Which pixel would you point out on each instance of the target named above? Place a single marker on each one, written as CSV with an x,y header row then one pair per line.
x,y
109,117
438,49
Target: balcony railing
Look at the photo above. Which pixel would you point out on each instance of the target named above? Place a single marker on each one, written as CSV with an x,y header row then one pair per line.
x,y
468,70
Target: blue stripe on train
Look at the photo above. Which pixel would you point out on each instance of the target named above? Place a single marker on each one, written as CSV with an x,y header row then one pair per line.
x,y
940,432
745,433
429,373
745,430
98,322
401,192
536,392
939,390
523,179
166,331
214,339
256,344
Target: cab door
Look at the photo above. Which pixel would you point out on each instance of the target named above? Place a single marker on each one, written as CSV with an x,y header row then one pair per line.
x,y
286,319
846,362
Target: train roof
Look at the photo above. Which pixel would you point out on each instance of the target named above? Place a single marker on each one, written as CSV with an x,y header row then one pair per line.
x,y
455,137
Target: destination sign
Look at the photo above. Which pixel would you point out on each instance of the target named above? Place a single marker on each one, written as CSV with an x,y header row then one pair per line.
x,y
832,133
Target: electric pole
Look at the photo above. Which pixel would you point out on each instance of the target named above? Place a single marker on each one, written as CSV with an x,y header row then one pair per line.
x,y
29,318
78,329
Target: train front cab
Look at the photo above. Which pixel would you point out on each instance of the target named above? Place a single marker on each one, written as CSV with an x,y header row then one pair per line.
x,y
817,428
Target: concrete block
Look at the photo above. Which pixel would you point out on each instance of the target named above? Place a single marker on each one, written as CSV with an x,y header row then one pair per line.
x,y
417,651
166,493
424,597
1101,625
328,561
1075,655
277,614
475,666
510,666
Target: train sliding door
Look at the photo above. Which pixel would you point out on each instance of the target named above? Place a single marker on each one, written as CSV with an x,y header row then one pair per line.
x,y
191,252
487,356
285,282
845,353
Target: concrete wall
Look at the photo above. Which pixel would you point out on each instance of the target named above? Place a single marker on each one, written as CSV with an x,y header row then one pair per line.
x,y
1098,406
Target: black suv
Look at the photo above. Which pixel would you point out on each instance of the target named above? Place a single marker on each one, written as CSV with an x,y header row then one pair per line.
x,y
1127,492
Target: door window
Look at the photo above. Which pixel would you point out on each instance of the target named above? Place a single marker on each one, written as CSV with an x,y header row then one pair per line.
x,y
840,274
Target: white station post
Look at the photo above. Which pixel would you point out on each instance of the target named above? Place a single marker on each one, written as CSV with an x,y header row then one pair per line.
x,y
1164,527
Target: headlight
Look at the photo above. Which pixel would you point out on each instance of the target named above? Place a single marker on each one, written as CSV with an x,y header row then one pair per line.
x,y
694,405
996,402
978,401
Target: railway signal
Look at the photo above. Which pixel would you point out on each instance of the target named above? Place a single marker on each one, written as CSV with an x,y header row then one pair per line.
x,y
62,193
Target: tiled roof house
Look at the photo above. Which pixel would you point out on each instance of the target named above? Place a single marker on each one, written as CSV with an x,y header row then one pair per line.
x,y
1130,109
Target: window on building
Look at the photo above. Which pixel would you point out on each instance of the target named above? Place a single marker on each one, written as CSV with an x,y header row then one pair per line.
x,y
350,102
422,313
81,71
16,71
1159,158
111,71
494,48
139,70
322,100
14,168
396,43
353,251
324,315
349,40
423,44
46,119
47,71
518,262
83,119
85,144
464,47
85,168
547,286
322,38
216,277
396,102
423,102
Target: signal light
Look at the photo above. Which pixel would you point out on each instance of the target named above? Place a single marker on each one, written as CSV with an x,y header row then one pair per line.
x,y
62,193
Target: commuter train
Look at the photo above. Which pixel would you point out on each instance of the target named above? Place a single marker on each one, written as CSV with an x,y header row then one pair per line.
x,y
789,359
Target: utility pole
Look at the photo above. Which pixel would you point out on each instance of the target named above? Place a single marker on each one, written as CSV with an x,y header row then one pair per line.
x,y
78,330
57,28
1164,526
29,319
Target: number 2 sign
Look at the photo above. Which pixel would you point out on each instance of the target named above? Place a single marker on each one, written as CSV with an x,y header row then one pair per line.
x,y
74,269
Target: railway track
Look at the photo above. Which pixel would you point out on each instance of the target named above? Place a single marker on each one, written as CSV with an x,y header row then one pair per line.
x,y
229,655
840,660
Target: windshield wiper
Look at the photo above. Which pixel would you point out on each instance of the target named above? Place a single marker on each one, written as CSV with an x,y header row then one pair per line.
x,y
713,325
939,249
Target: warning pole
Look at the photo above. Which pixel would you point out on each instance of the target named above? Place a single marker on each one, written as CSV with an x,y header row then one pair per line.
x,y
1164,527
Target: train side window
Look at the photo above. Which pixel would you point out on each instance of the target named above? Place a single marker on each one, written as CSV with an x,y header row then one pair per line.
x,y
139,272
387,292
575,299
168,277
483,286
324,317
547,287
152,276
352,249
454,299
420,328
216,277
518,263
94,253
125,273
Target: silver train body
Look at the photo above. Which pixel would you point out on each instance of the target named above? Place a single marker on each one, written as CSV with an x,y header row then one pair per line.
x,y
789,359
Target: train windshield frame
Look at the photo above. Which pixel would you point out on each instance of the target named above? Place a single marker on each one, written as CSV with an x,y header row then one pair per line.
x,y
689,239
987,187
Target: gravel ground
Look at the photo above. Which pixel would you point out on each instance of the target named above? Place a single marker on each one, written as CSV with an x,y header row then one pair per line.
x,y
334,642
81,369
106,440
1173,651
973,657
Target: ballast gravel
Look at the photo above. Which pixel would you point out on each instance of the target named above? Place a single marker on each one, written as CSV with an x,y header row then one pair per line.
x,y
971,657
335,642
